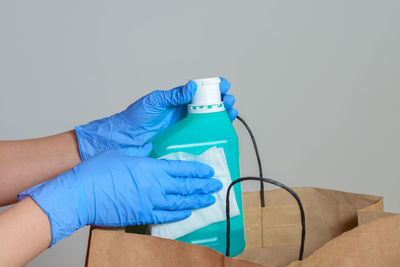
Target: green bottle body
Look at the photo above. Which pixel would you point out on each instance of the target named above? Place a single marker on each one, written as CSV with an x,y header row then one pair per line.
x,y
194,134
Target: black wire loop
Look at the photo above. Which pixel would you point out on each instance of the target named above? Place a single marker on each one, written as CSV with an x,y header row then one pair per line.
x,y
260,171
267,180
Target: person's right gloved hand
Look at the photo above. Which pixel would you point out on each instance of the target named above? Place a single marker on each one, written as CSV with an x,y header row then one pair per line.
x,y
122,187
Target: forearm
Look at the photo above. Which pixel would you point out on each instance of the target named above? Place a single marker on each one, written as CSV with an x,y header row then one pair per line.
x,y
25,231
26,163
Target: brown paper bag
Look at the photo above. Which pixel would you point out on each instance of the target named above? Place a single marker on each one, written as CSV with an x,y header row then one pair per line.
x,y
376,243
273,232
272,235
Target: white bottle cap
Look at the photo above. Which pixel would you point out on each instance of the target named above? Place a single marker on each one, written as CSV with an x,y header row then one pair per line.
x,y
208,96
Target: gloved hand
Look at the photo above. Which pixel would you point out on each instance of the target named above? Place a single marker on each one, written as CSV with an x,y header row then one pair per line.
x,y
120,188
143,119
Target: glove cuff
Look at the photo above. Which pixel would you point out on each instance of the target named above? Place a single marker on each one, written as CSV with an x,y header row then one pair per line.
x,y
62,200
94,137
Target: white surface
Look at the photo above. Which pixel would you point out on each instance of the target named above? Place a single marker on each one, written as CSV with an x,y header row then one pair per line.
x,y
215,157
318,81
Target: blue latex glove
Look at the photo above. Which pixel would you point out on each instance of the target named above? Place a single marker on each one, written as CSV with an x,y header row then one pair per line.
x,y
120,188
143,119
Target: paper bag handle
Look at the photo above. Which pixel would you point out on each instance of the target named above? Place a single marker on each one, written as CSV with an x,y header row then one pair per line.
x,y
267,180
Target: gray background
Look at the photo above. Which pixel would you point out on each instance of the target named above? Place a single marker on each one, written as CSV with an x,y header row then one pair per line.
x,y
318,81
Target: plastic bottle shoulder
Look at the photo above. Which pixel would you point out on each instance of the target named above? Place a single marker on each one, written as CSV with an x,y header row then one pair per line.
x,y
195,133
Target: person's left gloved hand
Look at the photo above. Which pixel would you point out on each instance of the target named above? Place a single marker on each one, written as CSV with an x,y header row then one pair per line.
x,y
143,119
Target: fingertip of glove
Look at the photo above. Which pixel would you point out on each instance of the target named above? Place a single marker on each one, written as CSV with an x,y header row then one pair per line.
x,y
191,86
224,85
206,170
186,213
217,185
233,113
210,200
229,100
183,94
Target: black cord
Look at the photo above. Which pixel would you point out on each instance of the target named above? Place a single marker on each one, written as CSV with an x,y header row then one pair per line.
x,y
253,139
267,180
262,180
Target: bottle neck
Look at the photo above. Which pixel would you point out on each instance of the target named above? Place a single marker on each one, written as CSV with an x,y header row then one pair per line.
x,y
210,108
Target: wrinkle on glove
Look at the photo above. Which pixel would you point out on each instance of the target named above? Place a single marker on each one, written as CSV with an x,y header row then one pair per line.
x,y
215,157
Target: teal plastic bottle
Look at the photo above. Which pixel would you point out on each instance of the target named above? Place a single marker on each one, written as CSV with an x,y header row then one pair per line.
x,y
207,125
